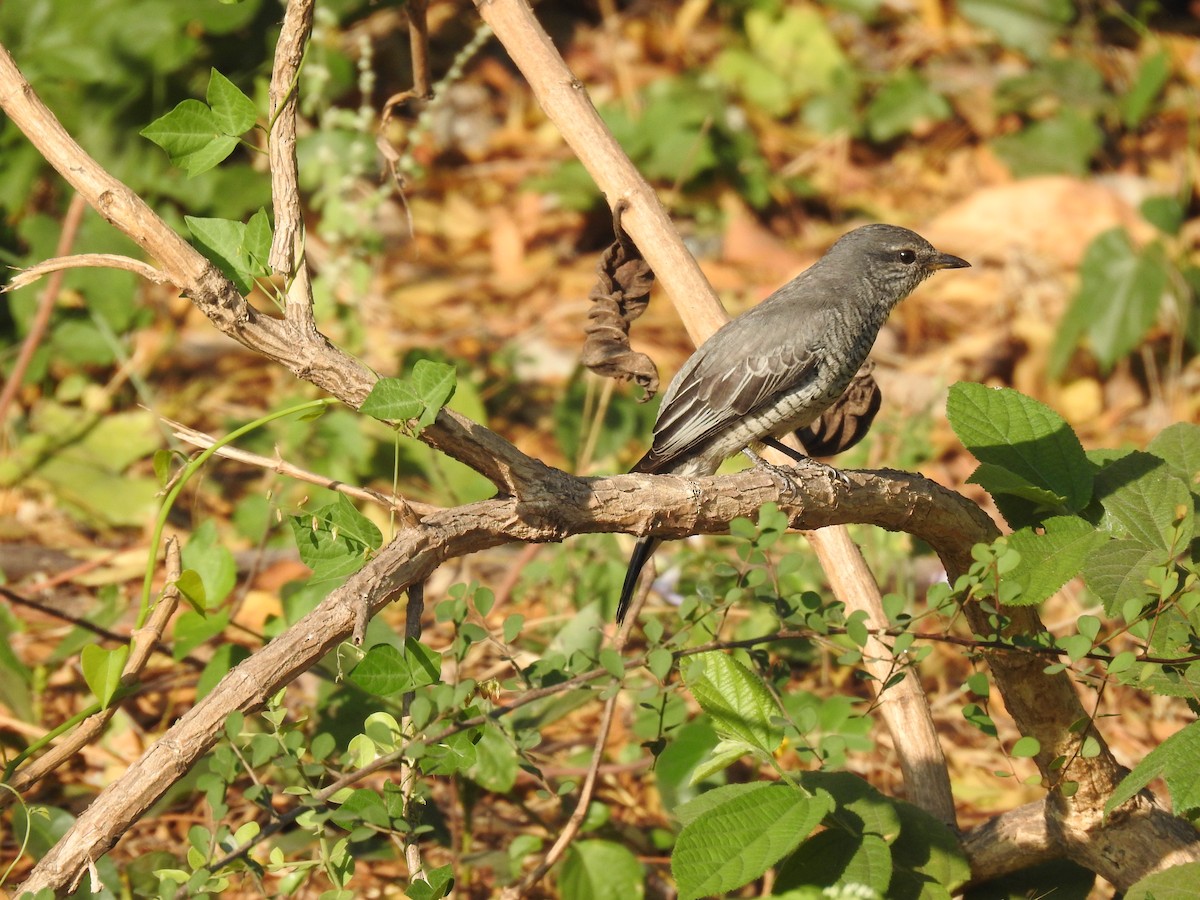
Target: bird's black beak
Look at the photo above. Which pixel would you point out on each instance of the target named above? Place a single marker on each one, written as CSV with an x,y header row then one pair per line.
x,y
946,261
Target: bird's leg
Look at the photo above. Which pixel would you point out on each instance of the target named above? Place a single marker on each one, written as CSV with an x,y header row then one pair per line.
x,y
781,475
803,461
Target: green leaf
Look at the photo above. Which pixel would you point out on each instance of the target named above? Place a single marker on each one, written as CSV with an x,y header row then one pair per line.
x,y
689,746
256,243
224,658
1004,428
832,857
233,111
927,858
600,870
1065,143
742,831
1147,85
1179,446
1143,499
223,242
343,518
860,808
1120,292
1116,572
335,540
191,587
212,562
192,137
1029,26
419,397
193,628
736,700
1177,761
102,670
384,670
1176,883
496,761
903,104
1164,212
997,480
437,884
1050,560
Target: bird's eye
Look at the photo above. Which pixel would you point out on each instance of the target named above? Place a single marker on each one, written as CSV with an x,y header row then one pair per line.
x,y
908,257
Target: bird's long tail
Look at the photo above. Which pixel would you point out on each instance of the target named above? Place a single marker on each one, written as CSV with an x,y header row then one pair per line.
x,y
642,552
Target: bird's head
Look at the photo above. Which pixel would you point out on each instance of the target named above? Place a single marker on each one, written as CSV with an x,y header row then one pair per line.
x,y
892,259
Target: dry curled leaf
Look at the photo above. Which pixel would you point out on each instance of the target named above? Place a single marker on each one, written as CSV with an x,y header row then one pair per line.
x,y
621,294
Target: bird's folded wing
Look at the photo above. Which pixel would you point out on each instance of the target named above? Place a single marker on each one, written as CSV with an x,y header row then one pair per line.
x,y
716,397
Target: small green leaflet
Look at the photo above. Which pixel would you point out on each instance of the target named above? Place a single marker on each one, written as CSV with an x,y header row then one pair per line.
x,y
102,670
198,137
239,250
419,396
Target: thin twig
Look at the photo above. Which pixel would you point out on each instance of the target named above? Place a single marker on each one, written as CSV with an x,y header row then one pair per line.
x,y
45,309
86,261
410,511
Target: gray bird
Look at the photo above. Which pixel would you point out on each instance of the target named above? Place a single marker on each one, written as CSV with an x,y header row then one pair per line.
x,y
779,365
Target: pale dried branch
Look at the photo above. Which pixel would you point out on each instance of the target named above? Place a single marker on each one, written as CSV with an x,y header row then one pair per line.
x,y
45,308
410,510
86,261
287,245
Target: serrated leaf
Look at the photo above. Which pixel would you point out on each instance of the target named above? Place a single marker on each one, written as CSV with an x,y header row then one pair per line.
x,y
192,137
1142,497
1177,761
233,112
721,757
1050,560
832,858
1178,446
737,701
741,834
1116,572
998,480
1004,428
102,669
861,809
928,859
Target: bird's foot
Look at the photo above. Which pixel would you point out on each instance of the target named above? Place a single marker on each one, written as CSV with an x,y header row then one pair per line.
x,y
800,461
